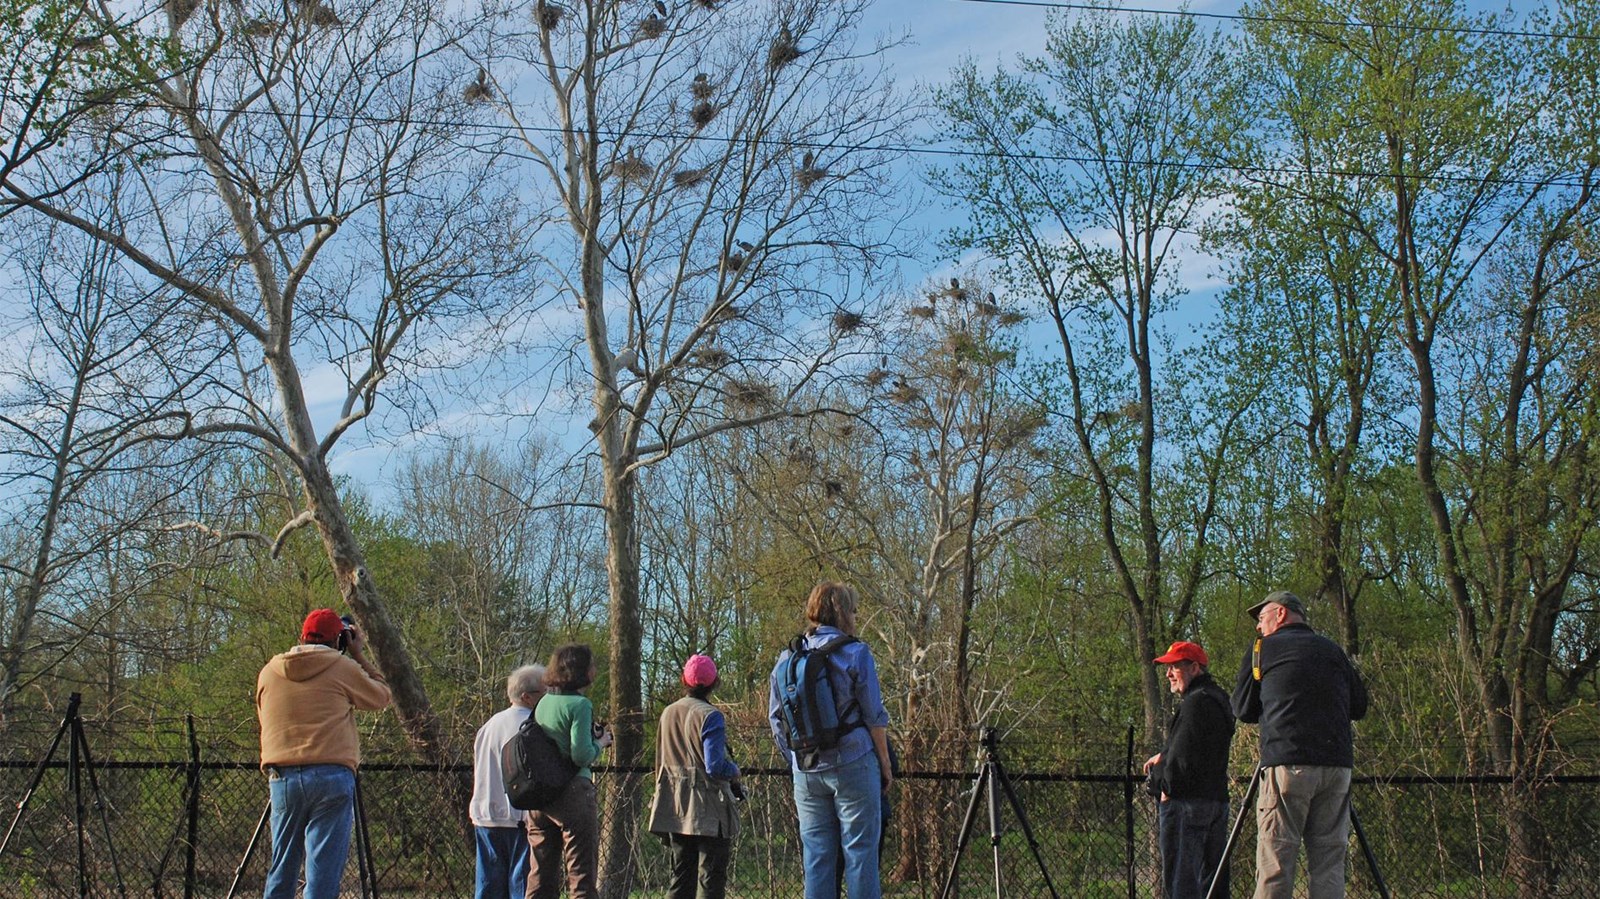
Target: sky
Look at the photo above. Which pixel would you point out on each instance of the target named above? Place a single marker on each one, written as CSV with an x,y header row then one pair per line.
x,y
938,34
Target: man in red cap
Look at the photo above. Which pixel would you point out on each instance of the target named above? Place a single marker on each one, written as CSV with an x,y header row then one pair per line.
x,y
306,700
1190,776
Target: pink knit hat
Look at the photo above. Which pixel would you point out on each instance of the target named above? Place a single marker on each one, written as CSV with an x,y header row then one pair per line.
x,y
699,671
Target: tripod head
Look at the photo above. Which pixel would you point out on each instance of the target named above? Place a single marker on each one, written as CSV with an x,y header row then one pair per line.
x,y
989,739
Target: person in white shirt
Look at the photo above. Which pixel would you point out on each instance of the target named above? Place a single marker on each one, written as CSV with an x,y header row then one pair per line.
x,y
500,836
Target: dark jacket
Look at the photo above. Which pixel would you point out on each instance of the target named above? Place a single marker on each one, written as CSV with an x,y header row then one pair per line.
x,y
1194,763
1306,697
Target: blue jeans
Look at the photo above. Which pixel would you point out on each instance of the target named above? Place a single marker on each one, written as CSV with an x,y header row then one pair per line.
x,y
840,819
312,812
1192,834
502,862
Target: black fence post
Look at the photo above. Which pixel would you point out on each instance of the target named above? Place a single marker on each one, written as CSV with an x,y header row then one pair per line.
x,y
193,812
1127,802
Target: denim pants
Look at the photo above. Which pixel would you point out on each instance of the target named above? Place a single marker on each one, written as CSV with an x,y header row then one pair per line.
x,y
1302,804
312,813
1192,834
502,862
840,813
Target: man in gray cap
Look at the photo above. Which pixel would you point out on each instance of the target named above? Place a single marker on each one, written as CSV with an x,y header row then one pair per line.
x,y
1302,689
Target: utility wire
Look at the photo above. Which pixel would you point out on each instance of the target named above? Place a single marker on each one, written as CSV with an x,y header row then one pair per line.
x,y
1287,20
504,131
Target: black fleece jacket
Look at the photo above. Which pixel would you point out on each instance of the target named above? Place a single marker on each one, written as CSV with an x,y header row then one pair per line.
x,y
1194,763
1305,700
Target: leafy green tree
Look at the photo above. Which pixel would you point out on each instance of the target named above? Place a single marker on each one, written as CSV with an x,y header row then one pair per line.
x,y
1089,171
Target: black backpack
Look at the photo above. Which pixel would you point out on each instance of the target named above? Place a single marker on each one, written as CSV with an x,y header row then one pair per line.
x,y
534,768
811,716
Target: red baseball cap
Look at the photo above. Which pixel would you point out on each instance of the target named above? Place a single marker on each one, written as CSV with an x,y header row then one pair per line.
x,y
322,626
1183,651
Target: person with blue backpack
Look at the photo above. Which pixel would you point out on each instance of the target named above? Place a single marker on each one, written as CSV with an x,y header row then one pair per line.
x,y
827,714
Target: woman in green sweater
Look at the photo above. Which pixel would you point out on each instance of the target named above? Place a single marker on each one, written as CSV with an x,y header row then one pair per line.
x,y
568,829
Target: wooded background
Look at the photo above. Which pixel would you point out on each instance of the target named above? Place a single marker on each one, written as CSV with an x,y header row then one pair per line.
x,y
1056,361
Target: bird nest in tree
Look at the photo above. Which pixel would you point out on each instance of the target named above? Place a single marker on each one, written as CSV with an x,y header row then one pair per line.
x,y
321,15
749,392
632,168
702,114
687,178
261,28
923,312
905,393
181,10
706,4
845,321
833,489
783,52
807,176
726,312
701,88
652,27
876,376
711,357
478,91
1012,318
548,15
733,262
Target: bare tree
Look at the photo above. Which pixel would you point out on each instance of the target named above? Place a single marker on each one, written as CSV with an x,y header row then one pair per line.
x,y
93,392
299,190
717,171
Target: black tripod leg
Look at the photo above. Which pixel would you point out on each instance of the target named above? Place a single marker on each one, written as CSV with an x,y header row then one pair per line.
x,y
994,827
249,850
82,743
1233,835
967,820
1366,850
369,873
1027,829
38,773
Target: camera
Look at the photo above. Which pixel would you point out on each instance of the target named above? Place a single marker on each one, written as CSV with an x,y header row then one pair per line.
x,y
738,790
344,635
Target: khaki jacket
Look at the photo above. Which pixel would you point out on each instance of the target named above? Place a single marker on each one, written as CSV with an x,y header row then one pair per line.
x,y
687,799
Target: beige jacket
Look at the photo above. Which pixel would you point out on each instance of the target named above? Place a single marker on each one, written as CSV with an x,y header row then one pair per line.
x,y
688,800
306,700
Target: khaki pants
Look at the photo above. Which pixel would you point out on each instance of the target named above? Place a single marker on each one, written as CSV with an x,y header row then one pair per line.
x,y
1298,804
567,830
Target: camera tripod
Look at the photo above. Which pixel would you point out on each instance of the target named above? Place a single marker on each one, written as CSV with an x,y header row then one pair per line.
x,y
1238,825
367,873
79,763
992,779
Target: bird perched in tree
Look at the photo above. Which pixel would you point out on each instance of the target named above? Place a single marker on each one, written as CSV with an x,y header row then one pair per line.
x,y
478,91
807,160
746,245
701,88
661,9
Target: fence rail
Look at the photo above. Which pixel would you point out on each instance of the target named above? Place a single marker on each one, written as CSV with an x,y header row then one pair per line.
x,y
180,829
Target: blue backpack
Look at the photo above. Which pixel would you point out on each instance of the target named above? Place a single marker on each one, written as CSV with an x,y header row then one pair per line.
x,y
812,718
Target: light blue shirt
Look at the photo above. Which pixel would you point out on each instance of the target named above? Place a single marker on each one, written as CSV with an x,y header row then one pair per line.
x,y
855,688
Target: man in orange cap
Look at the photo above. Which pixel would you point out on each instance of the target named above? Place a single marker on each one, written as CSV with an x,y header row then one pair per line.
x,y
306,700
1190,776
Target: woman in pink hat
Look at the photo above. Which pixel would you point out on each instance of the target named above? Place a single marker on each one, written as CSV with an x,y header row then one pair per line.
x,y
696,786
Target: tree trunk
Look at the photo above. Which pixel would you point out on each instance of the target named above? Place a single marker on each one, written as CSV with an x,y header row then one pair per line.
x,y
622,794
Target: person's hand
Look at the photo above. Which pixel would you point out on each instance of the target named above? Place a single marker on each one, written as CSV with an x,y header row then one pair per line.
x,y
604,737
1151,762
885,774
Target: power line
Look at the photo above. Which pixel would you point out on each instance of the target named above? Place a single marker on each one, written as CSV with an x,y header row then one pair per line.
x,y
1287,20
506,130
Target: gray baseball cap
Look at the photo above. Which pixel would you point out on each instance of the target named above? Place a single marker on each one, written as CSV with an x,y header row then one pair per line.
x,y
1281,597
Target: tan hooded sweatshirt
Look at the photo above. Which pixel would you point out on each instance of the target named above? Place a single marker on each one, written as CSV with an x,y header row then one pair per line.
x,y
306,699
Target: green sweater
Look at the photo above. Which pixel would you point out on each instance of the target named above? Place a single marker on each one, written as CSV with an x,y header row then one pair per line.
x,y
569,720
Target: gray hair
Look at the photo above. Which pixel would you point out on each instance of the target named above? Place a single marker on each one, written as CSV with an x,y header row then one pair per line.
x,y
527,679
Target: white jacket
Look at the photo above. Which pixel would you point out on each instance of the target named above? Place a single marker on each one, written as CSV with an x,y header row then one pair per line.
x,y
489,807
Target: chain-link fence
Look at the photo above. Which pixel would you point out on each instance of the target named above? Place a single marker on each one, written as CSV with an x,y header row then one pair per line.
x,y
177,828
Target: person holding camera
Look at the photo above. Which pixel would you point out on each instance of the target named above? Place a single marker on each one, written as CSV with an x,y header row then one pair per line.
x,y
306,700
568,829
499,832
697,785
1189,776
1304,691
